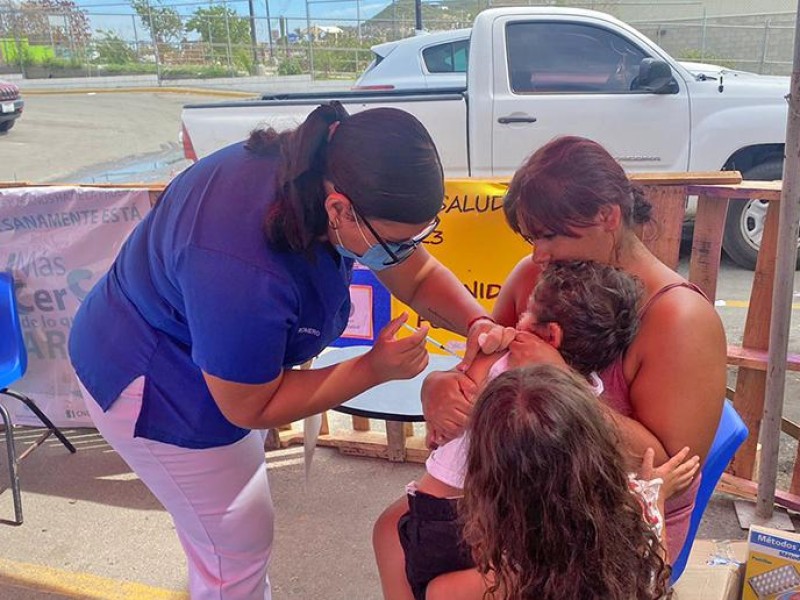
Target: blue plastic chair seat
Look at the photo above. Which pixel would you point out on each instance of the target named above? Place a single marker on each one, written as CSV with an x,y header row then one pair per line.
x,y
13,363
731,433
13,358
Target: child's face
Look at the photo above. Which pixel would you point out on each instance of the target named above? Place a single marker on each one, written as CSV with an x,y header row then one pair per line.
x,y
529,320
548,331
526,321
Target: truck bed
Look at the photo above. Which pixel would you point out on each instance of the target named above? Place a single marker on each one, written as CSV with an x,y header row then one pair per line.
x,y
213,125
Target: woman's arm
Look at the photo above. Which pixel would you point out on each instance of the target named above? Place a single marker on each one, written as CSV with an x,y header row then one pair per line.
x,y
427,286
296,394
679,384
635,438
447,398
513,298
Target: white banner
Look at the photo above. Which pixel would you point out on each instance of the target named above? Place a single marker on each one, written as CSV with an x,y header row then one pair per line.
x,y
57,242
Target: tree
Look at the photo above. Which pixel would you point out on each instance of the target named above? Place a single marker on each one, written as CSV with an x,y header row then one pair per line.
x,y
163,22
113,50
217,24
45,22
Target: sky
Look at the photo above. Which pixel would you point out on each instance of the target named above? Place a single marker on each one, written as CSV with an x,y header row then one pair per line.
x,y
114,15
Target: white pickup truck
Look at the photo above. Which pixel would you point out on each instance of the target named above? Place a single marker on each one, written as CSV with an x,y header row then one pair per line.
x,y
535,73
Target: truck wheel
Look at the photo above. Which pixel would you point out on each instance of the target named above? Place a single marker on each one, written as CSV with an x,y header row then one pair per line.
x,y
744,224
7,125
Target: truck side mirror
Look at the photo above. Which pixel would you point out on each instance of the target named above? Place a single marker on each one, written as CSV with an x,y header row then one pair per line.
x,y
655,77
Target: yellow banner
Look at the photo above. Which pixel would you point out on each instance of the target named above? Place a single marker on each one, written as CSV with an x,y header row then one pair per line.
x,y
475,243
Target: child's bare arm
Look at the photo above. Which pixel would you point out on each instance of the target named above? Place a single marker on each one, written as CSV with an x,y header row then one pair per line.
x,y
677,473
477,373
479,369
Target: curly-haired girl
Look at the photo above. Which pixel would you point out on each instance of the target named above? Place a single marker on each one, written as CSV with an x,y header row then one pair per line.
x,y
547,507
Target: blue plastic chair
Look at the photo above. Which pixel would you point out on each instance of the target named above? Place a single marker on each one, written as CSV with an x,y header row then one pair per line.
x,y
13,363
731,433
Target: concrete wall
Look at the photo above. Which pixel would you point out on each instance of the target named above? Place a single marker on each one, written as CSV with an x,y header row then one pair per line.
x,y
753,35
762,44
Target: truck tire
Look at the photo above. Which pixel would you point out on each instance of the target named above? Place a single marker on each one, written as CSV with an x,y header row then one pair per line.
x,y
744,224
6,125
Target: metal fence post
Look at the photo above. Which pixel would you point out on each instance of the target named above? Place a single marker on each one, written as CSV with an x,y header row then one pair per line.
x,y
269,32
703,35
228,43
253,39
310,42
154,37
210,36
135,37
18,43
358,20
764,47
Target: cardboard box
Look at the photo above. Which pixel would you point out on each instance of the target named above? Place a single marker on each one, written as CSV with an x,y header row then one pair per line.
x,y
714,571
773,565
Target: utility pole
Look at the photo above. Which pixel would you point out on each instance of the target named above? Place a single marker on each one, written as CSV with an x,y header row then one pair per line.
x,y
253,41
358,21
135,36
154,37
269,31
418,14
228,45
310,42
283,23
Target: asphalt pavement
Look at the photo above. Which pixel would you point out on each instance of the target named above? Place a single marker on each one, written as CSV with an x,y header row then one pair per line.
x,y
92,531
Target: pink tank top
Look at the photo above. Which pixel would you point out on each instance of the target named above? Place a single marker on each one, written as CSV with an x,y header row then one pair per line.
x,y
617,395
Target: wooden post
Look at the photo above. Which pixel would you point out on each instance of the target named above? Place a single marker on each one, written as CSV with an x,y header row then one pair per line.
x,y
782,295
750,383
360,423
395,441
709,226
324,428
669,209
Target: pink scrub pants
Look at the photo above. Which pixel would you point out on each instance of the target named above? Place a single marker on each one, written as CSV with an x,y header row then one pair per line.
x,y
218,498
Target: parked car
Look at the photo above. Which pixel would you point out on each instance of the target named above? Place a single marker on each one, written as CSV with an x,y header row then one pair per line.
x,y
426,61
11,105
539,72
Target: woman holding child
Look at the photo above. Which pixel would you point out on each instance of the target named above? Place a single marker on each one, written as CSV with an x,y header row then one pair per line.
x,y
573,201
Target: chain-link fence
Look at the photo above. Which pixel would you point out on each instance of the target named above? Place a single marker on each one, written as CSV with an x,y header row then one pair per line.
x,y
331,39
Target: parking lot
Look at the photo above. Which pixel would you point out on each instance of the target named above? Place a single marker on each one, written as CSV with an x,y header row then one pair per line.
x,y
81,137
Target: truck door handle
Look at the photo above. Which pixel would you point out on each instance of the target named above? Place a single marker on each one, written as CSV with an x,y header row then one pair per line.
x,y
511,119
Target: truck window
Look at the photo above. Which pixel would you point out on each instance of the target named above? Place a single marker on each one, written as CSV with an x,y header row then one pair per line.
x,y
447,58
549,57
